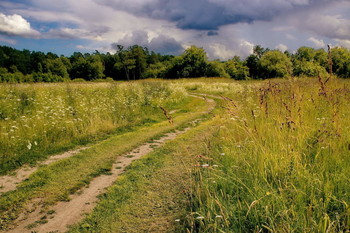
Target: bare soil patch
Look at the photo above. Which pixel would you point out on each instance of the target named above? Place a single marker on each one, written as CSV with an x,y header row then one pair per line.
x,y
10,182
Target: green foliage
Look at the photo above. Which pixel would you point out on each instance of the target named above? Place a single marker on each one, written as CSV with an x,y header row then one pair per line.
x,y
236,69
309,62
341,62
276,64
136,62
88,68
217,69
192,63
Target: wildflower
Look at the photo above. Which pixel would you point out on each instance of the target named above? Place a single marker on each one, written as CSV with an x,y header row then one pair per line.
x,y
222,154
177,220
200,217
205,165
29,146
218,216
215,165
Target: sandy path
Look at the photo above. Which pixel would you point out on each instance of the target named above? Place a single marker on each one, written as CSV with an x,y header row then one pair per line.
x,y
10,182
63,214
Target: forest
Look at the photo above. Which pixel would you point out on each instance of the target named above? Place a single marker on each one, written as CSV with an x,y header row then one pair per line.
x,y
136,62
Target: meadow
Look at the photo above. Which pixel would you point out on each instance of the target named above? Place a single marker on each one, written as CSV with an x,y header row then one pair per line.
x,y
41,119
273,156
280,161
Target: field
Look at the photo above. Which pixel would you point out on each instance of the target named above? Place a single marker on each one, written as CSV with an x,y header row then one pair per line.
x,y
246,156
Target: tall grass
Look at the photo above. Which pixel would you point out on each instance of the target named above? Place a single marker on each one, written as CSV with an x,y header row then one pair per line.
x,y
280,163
39,119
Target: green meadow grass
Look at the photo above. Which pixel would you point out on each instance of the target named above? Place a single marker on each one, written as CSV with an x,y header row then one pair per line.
x,y
152,195
281,162
274,156
37,120
57,181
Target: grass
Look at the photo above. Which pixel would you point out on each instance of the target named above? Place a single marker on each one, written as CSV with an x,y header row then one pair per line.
x,y
152,195
275,157
55,182
37,120
281,160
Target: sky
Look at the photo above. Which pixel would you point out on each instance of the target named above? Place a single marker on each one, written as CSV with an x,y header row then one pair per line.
x,y
224,28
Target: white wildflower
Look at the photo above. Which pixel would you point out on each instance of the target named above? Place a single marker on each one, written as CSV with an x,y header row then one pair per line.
x,y
29,146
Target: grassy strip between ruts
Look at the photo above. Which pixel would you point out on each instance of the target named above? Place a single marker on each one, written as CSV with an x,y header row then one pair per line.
x,y
152,195
55,182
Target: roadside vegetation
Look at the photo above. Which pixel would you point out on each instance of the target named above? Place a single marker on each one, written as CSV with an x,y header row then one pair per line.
x,y
274,159
55,182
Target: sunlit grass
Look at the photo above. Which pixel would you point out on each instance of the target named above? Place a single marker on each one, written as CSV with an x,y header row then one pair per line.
x,y
281,162
39,119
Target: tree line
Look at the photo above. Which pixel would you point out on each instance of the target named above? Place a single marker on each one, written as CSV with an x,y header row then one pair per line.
x,y
136,62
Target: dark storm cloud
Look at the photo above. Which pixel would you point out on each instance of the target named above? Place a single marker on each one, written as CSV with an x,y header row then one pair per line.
x,y
211,14
165,45
161,44
212,33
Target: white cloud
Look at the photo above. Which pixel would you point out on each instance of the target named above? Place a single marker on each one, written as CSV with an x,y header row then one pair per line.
x,y
220,51
16,25
73,33
331,26
282,47
343,43
318,43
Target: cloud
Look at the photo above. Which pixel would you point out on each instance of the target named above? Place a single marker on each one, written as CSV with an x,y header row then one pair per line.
x,y
227,51
16,25
211,14
331,26
161,44
75,33
290,36
316,42
212,33
166,45
282,47
343,43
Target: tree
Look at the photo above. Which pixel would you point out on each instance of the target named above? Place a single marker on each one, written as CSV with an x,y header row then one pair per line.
x,y
89,68
237,69
309,62
216,69
194,62
275,64
341,62
57,67
254,68
259,51
138,57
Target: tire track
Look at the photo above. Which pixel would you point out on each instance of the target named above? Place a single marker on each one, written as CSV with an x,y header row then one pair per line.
x,y
63,214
